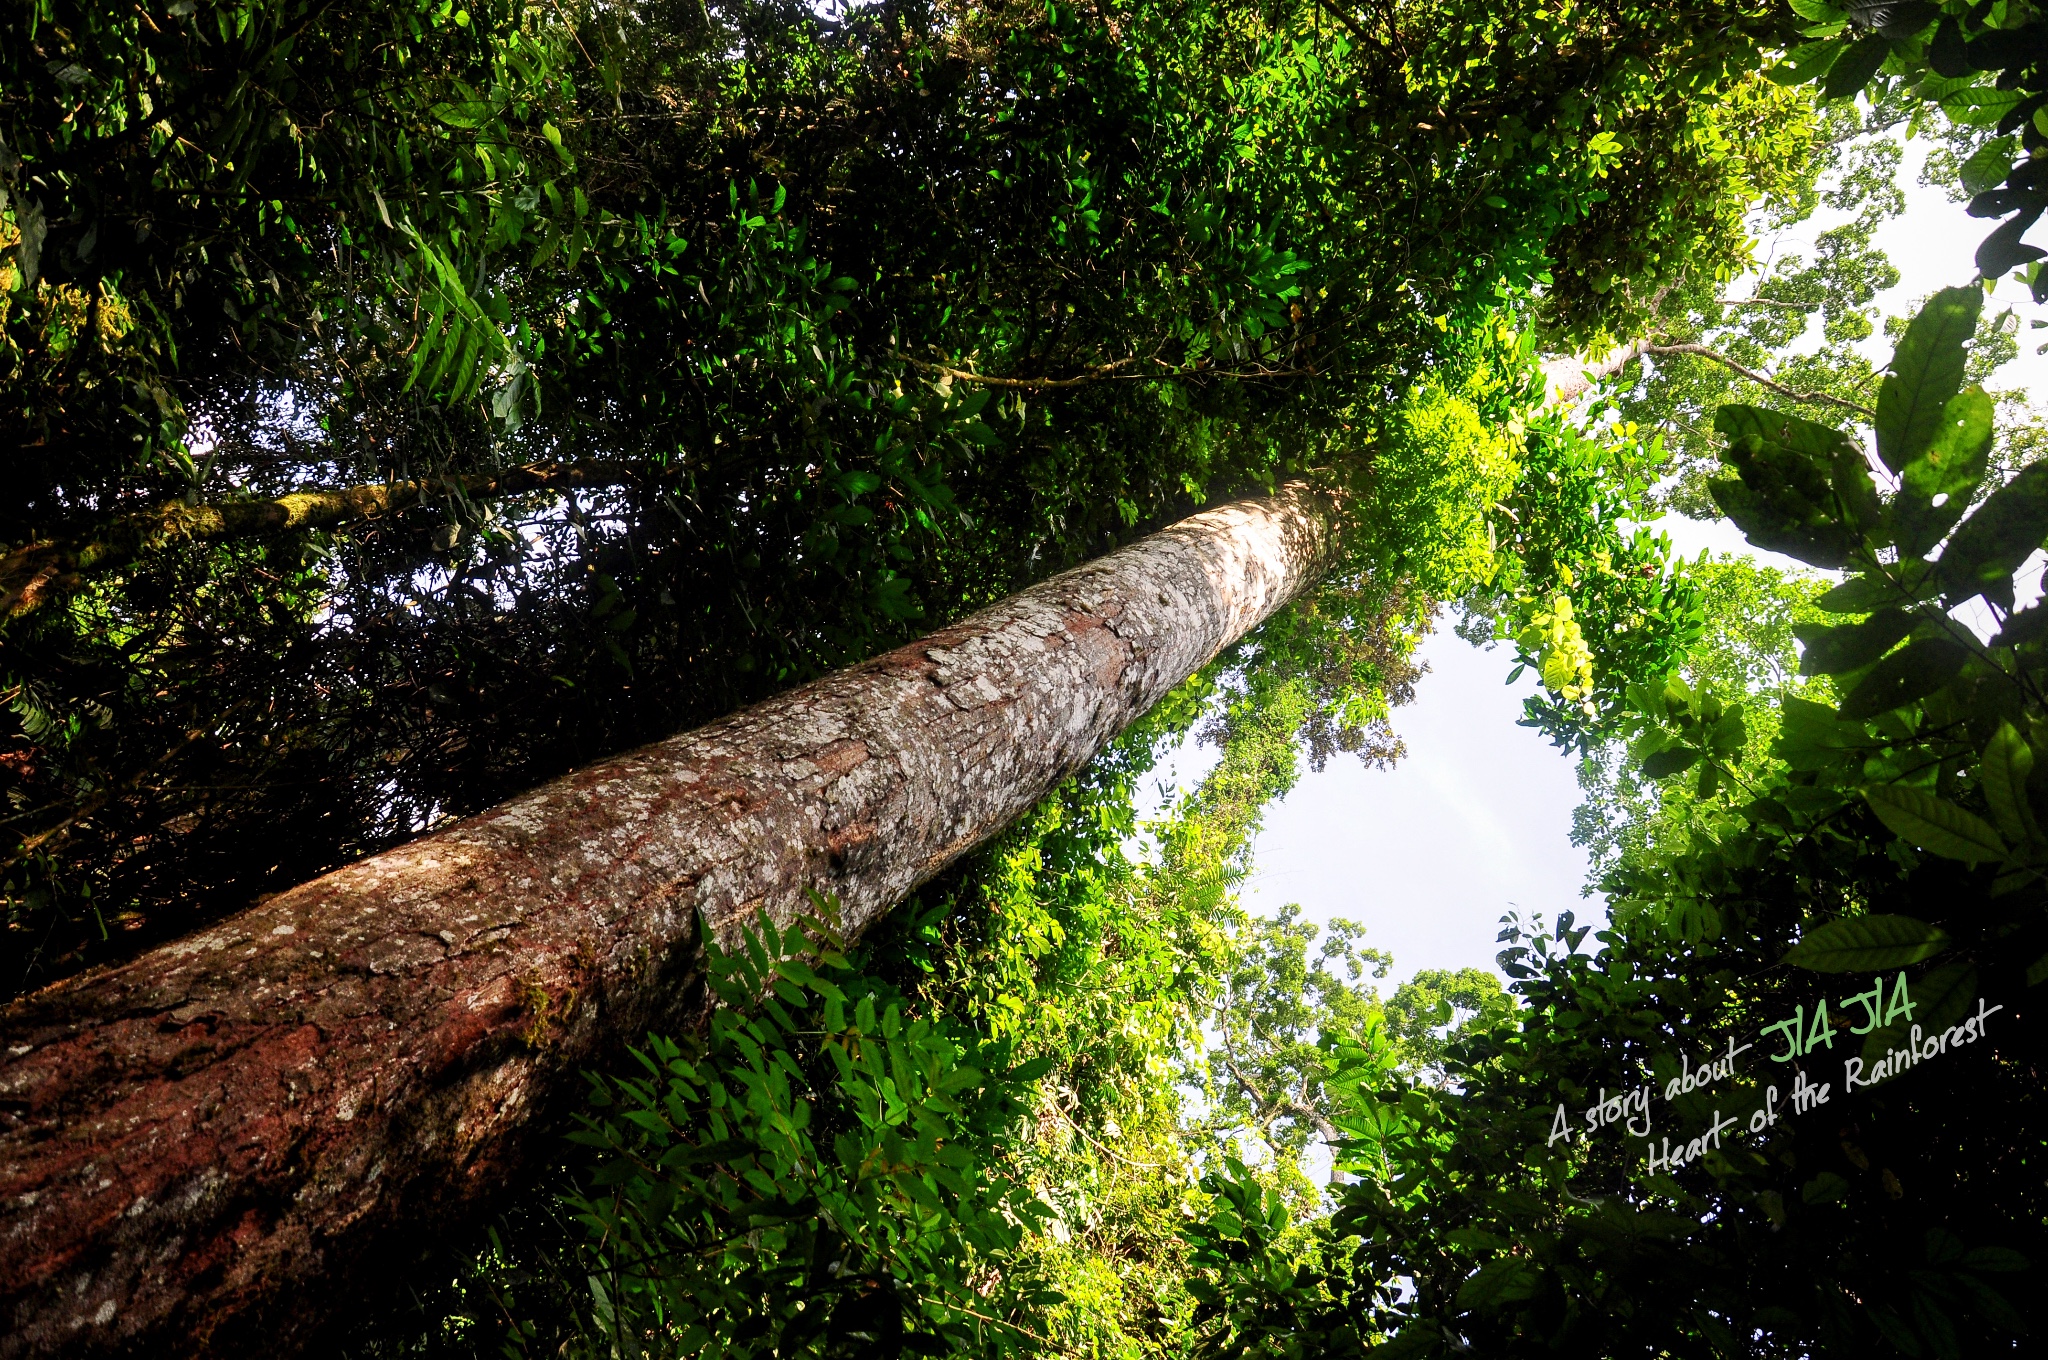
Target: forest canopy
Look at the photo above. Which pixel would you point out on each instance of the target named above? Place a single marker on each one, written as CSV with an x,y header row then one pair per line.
x,y
410,402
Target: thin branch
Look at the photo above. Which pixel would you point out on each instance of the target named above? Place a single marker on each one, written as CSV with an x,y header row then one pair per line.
x,y
1100,1146
1109,372
1771,384
1569,390
35,573
1096,374
1767,302
1336,12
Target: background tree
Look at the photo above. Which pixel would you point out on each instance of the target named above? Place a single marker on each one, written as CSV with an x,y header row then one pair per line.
x,y
844,322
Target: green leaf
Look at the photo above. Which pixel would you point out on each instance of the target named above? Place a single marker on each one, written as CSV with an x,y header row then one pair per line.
x,y
1805,63
2003,249
1915,671
1785,497
1033,1070
464,115
1935,824
1730,734
2008,760
1410,1343
1983,555
1771,528
2002,1260
1987,168
1817,442
1502,1281
1927,372
1860,595
2028,625
1670,761
1811,735
1865,944
1980,105
1851,646
1854,68
1823,1188
1951,467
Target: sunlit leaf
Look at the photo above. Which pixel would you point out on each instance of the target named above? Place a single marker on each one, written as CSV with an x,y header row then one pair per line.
x,y
2008,761
1913,672
1935,824
1852,646
1926,373
1864,944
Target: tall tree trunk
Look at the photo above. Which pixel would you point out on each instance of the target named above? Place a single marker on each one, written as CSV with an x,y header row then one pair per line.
x,y
201,1149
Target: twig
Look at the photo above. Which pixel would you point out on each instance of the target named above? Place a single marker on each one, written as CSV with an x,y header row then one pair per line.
x,y
1767,302
1101,1147
1789,393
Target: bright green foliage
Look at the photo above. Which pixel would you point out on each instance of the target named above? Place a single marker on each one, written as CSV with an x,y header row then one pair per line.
x,y
1449,455
1748,653
1897,832
818,1174
1574,538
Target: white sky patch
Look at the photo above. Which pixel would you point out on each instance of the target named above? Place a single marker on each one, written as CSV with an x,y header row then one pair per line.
x,y
1477,819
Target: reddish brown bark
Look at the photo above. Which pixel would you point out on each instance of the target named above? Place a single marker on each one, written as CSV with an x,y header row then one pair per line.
x,y
202,1148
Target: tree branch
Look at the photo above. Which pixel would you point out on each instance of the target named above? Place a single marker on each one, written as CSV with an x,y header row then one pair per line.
x,y
1101,373
1571,389
1770,384
36,573
1767,302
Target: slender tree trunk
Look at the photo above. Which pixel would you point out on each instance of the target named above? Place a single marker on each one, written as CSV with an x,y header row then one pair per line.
x,y
204,1149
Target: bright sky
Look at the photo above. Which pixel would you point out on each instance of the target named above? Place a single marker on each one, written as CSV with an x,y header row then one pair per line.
x,y
1476,820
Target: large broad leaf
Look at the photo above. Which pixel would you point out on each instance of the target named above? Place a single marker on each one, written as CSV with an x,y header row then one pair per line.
x,y
1949,471
1851,646
1821,443
1915,671
1672,760
1858,595
1939,1000
1927,372
2003,249
1866,944
1893,18
1988,168
2028,625
1413,1342
1506,1280
1983,555
1934,824
2008,760
1898,584
1785,497
1853,69
471,114
1769,526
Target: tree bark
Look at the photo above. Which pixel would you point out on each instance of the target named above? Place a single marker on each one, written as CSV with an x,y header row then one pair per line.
x,y
36,573
204,1149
